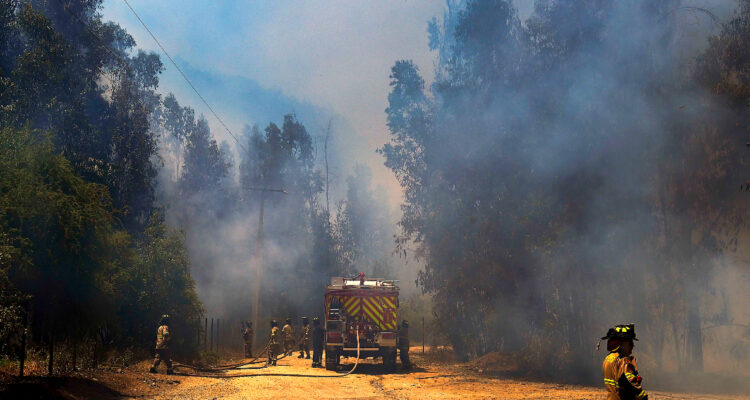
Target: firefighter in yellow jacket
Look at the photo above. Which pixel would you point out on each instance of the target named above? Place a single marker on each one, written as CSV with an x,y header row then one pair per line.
x,y
247,339
619,368
289,339
162,345
304,341
274,343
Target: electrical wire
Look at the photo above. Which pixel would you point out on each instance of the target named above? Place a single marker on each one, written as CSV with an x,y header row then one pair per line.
x,y
184,76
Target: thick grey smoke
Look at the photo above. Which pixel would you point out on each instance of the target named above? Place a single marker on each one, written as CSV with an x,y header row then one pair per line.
x,y
572,170
214,199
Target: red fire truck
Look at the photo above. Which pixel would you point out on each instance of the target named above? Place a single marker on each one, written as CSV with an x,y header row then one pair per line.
x,y
367,307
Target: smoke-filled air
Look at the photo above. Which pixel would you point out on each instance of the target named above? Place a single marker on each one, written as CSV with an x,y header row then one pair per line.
x,y
517,181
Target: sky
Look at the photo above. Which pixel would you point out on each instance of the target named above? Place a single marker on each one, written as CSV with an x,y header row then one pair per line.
x,y
254,61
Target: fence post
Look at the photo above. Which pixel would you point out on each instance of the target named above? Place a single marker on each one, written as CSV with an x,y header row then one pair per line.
x,y
211,345
51,353
23,345
75,352
205,336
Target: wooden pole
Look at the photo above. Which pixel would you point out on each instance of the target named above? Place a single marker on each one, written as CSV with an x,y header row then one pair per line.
x,y
218,334
75,353
258,253
422,335
51,354
211,346
94,355
205,335
23,345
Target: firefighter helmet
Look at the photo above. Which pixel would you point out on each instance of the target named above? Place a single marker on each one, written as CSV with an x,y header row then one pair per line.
x,y
274,323
164,319
316,321
304,321
624,332
289,321
404,324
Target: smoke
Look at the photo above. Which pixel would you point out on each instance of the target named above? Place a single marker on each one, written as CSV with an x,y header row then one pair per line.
x,y
570,171
215,200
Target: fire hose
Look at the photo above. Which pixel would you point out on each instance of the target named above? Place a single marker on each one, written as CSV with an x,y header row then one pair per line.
x,y
224,367
240,367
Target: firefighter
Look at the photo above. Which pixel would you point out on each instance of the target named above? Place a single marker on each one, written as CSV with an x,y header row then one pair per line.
x,y
403,344
621,377
304,342
247,339
288,331
162,345
317,342
274,343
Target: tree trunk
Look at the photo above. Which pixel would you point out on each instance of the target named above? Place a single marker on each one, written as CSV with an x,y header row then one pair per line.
x,y
51,354
694,343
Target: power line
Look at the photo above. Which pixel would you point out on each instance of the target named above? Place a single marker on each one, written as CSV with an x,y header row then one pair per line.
x,y
186,78
119,58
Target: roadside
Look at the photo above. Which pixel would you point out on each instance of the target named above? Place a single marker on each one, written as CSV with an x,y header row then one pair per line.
x,y
435,377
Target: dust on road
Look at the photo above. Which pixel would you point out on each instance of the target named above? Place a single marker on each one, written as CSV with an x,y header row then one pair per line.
x,y
294,379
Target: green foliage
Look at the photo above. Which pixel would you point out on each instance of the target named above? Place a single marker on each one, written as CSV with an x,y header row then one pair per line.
x,y
553,164
158,282
59,230
61,247
75,80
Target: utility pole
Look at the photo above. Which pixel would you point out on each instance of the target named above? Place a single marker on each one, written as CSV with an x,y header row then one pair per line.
x,y
259,250
325,146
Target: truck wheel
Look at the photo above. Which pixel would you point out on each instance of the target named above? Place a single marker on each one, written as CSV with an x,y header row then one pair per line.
x,y
389,361
332,360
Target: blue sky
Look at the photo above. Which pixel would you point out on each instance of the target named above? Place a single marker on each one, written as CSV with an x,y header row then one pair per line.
x,y
254,60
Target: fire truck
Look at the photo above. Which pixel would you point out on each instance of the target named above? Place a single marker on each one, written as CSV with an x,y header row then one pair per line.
x,y
364,307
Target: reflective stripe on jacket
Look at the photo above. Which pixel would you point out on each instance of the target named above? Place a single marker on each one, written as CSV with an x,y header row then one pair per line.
x,y
620,374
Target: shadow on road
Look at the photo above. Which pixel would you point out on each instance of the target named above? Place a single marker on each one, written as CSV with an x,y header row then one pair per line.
x,y
57,388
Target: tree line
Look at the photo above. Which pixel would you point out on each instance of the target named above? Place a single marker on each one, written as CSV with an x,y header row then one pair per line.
x,y
572,170
115,199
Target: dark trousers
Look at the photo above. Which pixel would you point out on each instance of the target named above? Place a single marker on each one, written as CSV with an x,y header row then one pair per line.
x,y
288,346
304,349
273,352
248,349
404,355
163,355
317,355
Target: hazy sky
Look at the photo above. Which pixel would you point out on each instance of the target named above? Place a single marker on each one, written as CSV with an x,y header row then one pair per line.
x,y
331,54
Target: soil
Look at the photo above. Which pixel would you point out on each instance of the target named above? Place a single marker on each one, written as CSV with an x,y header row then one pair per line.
x,y
434,377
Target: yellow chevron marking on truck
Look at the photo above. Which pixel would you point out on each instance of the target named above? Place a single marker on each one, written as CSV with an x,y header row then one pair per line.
x,y
389,302
372,310
352,305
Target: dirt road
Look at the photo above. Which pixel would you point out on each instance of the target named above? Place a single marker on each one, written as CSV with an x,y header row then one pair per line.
x,y
294,379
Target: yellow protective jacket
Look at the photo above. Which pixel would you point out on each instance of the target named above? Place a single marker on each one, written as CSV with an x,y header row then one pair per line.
x,y
621,378
275,335
306,335
288,331
247,335
162,337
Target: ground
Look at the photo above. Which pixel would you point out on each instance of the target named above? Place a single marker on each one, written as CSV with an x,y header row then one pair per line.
x,y
434,378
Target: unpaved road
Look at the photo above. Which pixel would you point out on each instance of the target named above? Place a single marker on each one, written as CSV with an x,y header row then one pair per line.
x,y
294,379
